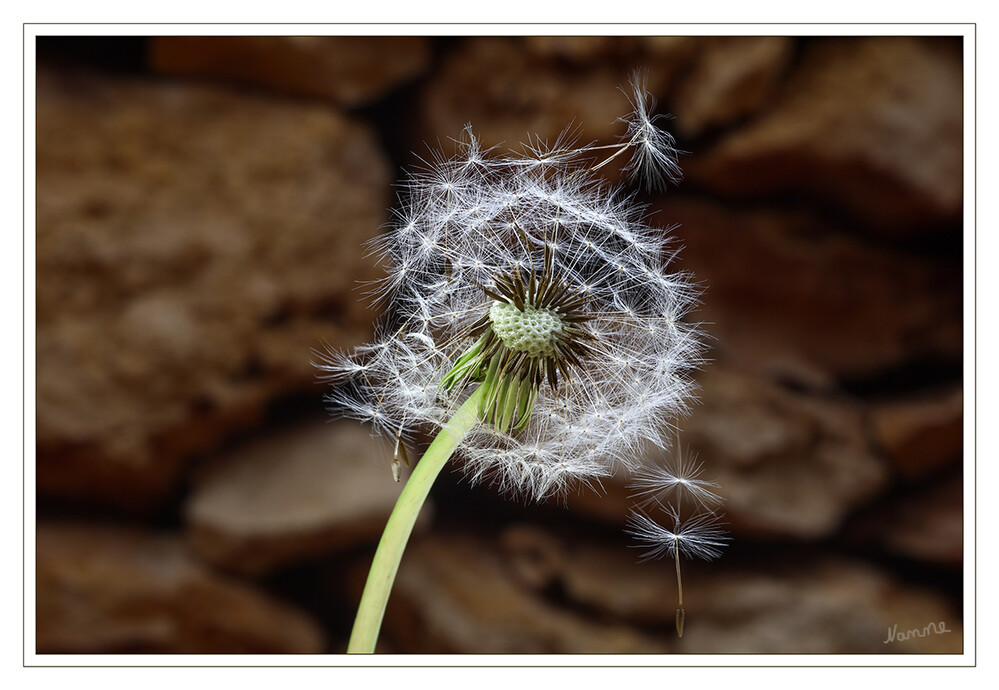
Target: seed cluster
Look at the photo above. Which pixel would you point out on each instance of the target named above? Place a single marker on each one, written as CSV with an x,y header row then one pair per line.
x,y
531,331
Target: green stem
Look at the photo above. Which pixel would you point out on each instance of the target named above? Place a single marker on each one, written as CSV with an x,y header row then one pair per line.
x,y
401,521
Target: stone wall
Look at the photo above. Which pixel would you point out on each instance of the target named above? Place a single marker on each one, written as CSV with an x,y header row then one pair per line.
x,y
203,205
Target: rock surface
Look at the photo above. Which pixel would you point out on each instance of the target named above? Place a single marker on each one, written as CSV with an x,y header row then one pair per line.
x,y
784,605
455,596
871,125
793,296
731,78
350,70
787,464
109,590
929,526
924,524
193,246
195,242
922,435
661,54
301,493
543,97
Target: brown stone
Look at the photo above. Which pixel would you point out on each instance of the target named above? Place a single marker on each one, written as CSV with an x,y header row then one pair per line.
x,y
787,463
923,435
350,70
731,78
527,94
925,523
788,603
794,296
459,594
929,526
193,246
582,50
658,53
871,125
825,606
104,590
454,595
294,495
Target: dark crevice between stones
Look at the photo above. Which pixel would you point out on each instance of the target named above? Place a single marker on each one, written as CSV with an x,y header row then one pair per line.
x,y
117,54
940,242
323,587
395,117
907,380
455,498
161,515
294,408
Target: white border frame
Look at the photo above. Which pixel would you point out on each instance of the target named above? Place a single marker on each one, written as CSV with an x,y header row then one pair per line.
x,y
968,658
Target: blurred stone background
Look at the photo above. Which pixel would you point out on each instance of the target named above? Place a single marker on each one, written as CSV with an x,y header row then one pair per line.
x,y
202,205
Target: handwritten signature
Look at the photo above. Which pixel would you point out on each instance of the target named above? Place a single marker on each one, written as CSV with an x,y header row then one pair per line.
x,y
930,629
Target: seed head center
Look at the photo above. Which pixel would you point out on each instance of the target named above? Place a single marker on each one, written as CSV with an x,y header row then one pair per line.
x,y
531,330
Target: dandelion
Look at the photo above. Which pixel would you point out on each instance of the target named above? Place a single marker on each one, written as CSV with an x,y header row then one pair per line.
x,y
700,536
529,276
678,479
534,320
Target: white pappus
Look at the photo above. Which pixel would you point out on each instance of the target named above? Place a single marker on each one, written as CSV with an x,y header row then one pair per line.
x,y
531,273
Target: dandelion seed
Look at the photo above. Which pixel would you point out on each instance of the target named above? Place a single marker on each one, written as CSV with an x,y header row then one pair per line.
x,y
654,157
678,479
700,536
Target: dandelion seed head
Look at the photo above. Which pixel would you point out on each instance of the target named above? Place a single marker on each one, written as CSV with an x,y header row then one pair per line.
x,y
572,283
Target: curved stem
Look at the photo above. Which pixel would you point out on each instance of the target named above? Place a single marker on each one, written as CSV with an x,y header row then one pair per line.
x,y
401,521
